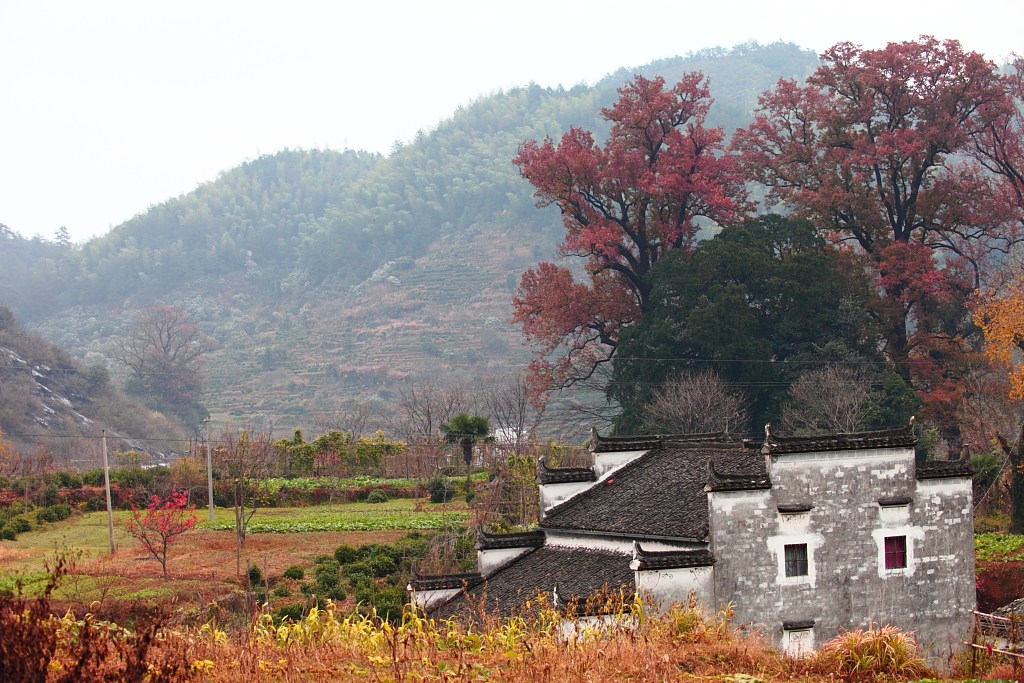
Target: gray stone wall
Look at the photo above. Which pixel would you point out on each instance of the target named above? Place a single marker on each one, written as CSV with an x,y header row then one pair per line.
x,y
847,585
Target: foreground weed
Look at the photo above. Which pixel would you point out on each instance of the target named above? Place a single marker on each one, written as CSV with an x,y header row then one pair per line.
x,y
884,652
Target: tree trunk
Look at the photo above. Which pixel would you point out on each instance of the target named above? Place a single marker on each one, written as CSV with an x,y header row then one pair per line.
x,y
1015,454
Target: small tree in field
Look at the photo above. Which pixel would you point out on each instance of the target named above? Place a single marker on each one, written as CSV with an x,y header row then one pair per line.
x,y
161,523
466,430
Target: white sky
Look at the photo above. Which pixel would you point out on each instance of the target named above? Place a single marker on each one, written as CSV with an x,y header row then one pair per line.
x,y
107,108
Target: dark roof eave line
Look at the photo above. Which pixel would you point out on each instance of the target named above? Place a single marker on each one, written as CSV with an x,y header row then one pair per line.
x,y
620,535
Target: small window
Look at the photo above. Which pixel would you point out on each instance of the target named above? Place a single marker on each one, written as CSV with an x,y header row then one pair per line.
x,y
796,559
895,552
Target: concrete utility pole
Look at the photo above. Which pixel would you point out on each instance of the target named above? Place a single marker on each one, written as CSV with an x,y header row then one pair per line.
x,y
209,469
106,485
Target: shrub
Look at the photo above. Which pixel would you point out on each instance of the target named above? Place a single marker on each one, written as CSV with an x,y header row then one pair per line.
x,y
326,576
67,480
295,573
281,592
357,572
377,496
381,565
255,575
289,613
7,533
388,603
21,525
874,653
344,554
337,593
54,513
441,490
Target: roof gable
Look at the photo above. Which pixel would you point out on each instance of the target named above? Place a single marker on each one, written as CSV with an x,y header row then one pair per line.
x,y
660,494
576,572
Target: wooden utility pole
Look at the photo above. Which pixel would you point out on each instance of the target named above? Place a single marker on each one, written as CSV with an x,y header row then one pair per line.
x,y
106,485
209,469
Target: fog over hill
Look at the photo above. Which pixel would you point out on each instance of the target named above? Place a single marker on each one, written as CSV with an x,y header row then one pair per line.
x,y
327,276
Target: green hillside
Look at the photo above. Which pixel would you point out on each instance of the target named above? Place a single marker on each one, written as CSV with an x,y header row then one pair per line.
x,y
326,275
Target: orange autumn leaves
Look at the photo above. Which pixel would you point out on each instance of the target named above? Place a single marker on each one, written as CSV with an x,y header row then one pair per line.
x,y
1001,319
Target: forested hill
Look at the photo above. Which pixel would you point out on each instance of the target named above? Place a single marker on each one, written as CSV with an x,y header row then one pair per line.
x,y
323,273
46,395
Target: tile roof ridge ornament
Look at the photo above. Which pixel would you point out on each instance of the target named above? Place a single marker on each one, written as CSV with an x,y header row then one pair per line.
x,y
769,439
418,581
736,481
516,539
681,558
562,475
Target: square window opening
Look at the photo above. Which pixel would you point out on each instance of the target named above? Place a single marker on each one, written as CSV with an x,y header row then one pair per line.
x,y
895,552
796,559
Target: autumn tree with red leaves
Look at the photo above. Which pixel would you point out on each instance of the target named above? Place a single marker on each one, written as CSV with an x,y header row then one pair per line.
x,y
893,152
161,524
623,205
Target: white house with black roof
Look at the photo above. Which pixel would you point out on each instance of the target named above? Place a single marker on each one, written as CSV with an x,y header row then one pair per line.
x,y
804,536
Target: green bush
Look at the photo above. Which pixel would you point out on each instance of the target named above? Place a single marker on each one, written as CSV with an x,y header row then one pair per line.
x,y
295,573
7,533
389,602
357,572
21,525
289,613
344,554
441,490
67,480
337,593
255,575
54,513
377,496
326,577
382,565
281,592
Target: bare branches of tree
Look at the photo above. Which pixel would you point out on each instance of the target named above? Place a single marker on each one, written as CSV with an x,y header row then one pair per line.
x,y
244,458
356,418
514,418
697,403
163,352
423,407
833,398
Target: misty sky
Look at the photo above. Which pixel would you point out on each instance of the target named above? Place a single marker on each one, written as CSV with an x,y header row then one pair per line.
x,y
108,108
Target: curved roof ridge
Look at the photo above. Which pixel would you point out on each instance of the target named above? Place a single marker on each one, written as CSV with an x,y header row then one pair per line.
x,y
516,539
563,475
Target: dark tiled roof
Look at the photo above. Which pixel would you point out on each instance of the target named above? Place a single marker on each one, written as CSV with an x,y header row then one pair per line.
x,y
748,478
523,539
945,469
895,500
659,494
798,625
795,508
428,582
884,438
614,444
563,475
577,572
670,559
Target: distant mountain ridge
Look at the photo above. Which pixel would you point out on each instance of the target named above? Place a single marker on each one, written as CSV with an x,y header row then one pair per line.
x,y
325,275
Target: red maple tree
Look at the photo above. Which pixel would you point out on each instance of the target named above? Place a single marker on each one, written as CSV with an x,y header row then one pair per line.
x,y
161,523
894,151
623,206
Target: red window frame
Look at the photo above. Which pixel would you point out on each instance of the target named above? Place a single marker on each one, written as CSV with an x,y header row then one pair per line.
x,y
895,552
